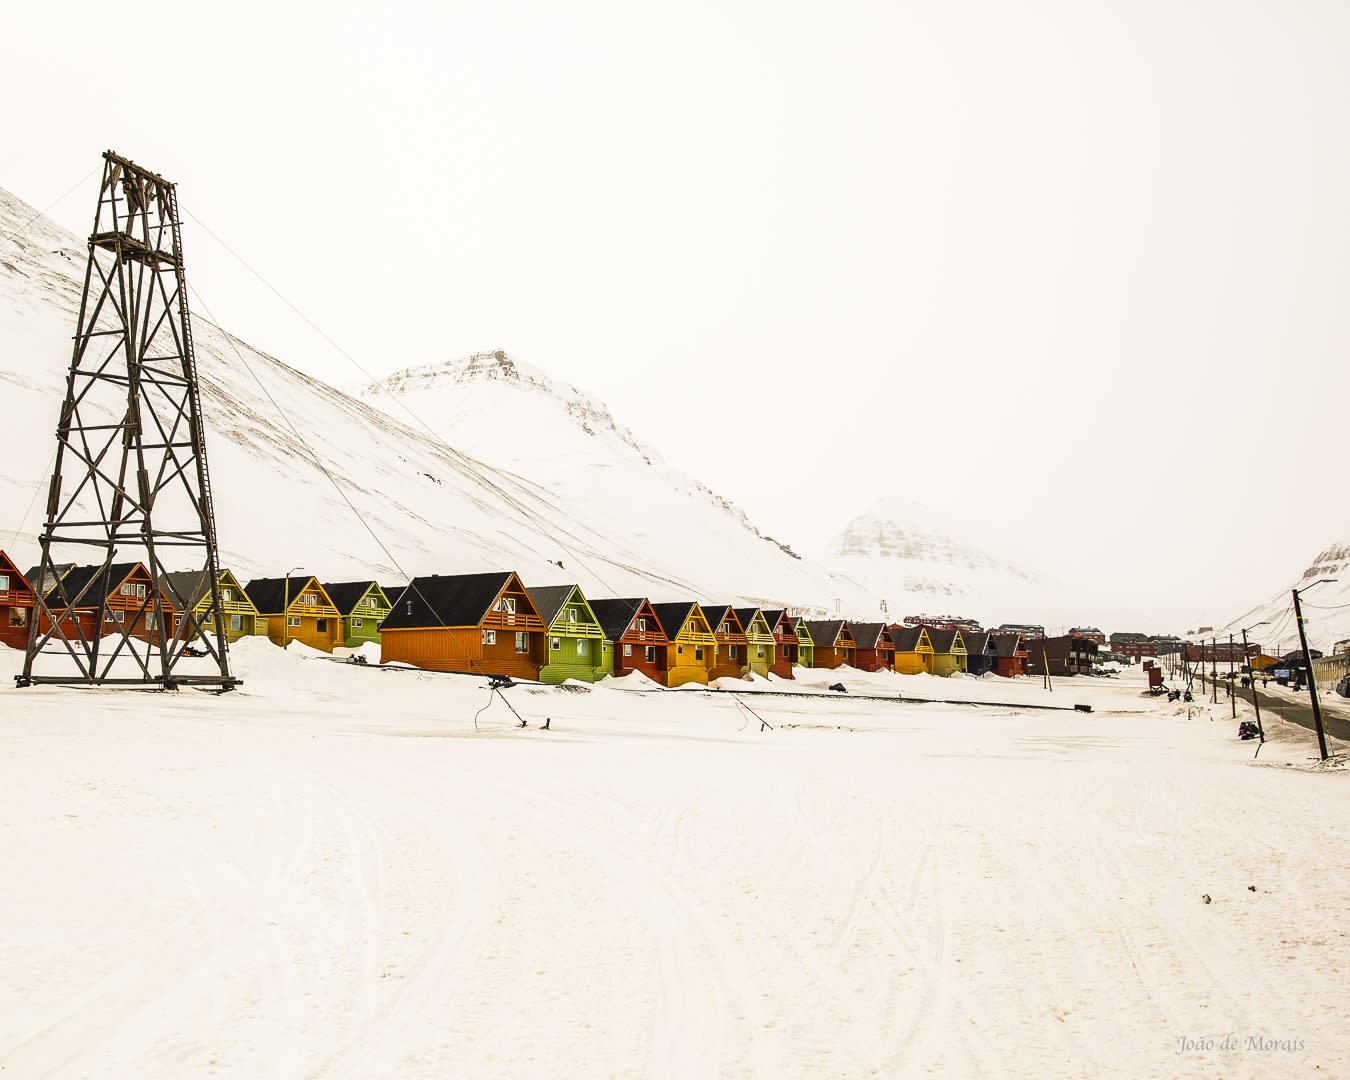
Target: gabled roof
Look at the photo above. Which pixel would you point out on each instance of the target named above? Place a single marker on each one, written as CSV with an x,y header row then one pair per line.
x,y
615,616
549,600
100,583
448,600
188,588
801,626
1007,644
55,571
716,614
773,616
347,594
867,635
7,566
272,595
943,641
746,615
977,641
907,638
674,616
826,631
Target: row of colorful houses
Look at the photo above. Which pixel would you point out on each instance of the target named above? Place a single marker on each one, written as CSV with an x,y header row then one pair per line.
x,y
492,624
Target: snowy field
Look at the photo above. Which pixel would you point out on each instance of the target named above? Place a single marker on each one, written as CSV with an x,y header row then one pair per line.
x,y
330,873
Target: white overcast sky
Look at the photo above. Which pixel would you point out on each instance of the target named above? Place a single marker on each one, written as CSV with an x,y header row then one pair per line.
x,y
1078,270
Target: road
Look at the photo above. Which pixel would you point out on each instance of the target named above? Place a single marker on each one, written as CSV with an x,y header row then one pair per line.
x,y
1297,710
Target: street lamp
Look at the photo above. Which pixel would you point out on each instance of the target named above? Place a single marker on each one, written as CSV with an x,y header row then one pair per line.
x,y
286,606
1251,673
1307,660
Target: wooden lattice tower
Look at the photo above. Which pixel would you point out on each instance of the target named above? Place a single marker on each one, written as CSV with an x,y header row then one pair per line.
x,y
130,482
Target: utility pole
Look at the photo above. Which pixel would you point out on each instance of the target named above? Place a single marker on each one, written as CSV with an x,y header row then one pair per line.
x,y
1214,670
1312,683
1256,700
1232,697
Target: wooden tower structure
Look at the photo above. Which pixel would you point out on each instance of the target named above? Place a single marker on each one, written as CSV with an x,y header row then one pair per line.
x,y
130,480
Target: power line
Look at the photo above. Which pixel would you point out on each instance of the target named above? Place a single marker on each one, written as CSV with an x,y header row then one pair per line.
x,y
42,213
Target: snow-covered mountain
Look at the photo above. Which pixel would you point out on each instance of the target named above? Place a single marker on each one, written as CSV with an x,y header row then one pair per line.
x,y
343,488
1326,609
924,563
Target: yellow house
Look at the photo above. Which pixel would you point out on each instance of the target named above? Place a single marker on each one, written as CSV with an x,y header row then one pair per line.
x,y
949,651
693,648
913,650
297,609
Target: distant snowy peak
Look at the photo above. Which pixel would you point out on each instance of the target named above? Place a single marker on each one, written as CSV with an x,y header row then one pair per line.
x,y
877,535
1332,562
487,368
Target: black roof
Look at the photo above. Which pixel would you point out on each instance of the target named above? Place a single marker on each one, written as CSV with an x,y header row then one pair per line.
x,y
867,635
549,600
906,638
615,616
673,616
977,641
54,571
270,595
714,613
99,582
186,588
347,594
1007,643
943,641
825,631
747,616
446,600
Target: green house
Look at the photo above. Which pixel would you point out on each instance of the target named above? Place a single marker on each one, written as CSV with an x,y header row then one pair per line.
x,y
190,593
575,647
362,606
759,635
806,648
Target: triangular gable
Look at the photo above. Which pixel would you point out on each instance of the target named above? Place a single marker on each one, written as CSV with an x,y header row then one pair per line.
x,y
803,632
497,613
553,603
727,617
348,597
18,582
325,607
756,625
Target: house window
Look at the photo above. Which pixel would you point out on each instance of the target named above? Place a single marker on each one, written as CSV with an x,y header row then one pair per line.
x,y
761,652
370,602
554,644
18,616
698,652
507,604
489,637
127,589
321,626
731,652
149,620
627,649
227,595
571,614
725,628
642,625
118,615
358,622
679,650
236,622
292,620
583,647
651,654
522,642
140,592
311,599
4,583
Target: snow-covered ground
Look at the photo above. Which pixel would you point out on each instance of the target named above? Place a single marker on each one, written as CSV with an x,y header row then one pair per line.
x,y
331,873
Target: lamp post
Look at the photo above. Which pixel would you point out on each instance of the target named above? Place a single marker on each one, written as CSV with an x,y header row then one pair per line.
x,y
1251,674
1307,660
286,607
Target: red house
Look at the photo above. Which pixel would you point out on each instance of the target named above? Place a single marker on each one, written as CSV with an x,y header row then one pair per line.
x,y
1012,654
874,649
16,604
89,601
785,643
635,635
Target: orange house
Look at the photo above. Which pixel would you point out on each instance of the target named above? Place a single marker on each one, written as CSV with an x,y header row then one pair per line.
x,y
485,624
16,605
834,644
296,609
731,653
